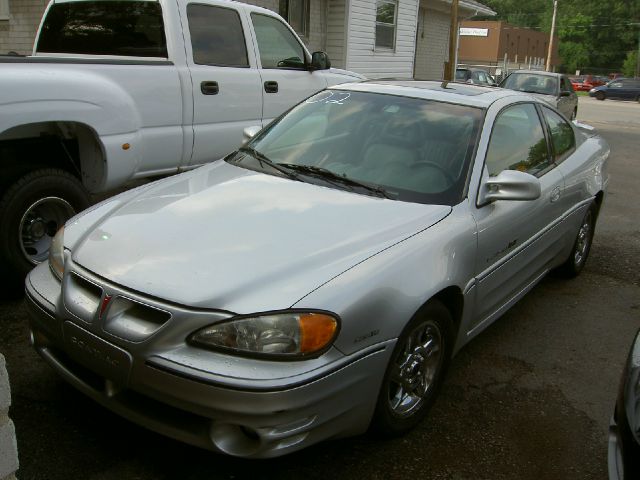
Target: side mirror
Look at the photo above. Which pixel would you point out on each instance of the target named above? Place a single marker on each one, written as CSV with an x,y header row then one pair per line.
x,y
320,61
509,185
250,132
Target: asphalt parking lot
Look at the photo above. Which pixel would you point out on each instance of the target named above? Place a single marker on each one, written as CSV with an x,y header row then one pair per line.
x,y
530,398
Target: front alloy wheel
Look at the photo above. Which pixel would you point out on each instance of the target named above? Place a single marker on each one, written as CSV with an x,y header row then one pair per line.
x,y
415,371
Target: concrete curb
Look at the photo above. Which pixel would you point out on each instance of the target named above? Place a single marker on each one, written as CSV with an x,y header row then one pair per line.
x,y
8,445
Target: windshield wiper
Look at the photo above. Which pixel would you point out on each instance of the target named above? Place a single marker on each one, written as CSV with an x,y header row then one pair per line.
x,y
263,159
334,177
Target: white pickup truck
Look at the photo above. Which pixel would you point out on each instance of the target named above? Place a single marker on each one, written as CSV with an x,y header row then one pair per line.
x,y
123,89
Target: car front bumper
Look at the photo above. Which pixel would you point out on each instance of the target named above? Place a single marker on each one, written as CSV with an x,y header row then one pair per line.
x,y
172,394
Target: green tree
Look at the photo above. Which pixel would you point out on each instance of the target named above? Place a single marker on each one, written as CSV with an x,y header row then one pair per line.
x,y
594,35
630,65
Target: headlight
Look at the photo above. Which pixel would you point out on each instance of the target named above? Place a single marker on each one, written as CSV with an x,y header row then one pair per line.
x,y
632,389
56,254
287,335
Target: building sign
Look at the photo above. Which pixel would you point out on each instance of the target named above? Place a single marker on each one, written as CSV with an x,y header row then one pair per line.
x,y
474,32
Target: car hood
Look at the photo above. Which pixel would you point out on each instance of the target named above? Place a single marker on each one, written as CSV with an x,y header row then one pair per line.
x,y
224,237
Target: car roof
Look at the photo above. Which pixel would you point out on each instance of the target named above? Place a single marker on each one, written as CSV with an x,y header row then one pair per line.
x,y
452,92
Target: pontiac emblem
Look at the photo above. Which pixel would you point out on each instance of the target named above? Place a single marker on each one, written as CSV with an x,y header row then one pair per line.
x,y
104,305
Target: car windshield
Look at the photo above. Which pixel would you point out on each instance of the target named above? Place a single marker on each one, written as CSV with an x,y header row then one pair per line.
x,y
532,83
406,149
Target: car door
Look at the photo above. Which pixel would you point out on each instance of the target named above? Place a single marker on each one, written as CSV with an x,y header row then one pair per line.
x,y
282,66
227,93
517,240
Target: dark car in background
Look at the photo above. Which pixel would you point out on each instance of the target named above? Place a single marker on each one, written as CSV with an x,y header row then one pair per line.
x,y
620,88
624,431
476,76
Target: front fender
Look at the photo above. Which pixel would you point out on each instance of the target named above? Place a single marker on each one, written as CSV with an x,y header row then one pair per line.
x,y
378,297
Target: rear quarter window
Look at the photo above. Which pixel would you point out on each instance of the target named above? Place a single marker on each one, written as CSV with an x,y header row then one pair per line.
x,y
121,28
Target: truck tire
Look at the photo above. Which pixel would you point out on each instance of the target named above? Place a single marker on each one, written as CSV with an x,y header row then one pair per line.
x,y
31,211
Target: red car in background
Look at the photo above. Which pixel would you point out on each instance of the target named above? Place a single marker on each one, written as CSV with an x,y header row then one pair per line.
x,y
584,83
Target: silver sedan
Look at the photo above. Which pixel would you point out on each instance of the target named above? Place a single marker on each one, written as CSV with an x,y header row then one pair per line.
x,y
316,282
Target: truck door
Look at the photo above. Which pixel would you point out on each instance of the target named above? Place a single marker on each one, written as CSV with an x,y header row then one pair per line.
x,y
285,79
226,86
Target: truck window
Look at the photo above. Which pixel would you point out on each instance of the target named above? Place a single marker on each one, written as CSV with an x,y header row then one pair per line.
x,y
216,36
278,47
112,27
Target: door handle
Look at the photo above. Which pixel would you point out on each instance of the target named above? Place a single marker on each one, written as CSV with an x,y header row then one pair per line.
x,y
271,86
209,88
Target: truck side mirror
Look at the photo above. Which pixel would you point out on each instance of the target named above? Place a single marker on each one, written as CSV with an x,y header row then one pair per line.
x,y
320,61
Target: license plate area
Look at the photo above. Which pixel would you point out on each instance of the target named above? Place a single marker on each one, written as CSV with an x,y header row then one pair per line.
x,y
96,354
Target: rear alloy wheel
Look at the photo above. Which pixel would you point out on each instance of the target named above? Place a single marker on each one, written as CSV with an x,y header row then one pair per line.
x,y
600,95
31,212
415,371
582,245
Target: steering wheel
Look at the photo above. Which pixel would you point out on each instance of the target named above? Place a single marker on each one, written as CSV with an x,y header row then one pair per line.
x,y
445,173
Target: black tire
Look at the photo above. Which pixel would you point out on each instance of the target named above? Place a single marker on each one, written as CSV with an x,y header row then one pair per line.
x,y
409,366
574,114
31,211
577,259
600,96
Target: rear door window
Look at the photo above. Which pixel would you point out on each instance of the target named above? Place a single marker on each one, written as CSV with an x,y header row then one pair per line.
x,y
125,28
562,136
216,36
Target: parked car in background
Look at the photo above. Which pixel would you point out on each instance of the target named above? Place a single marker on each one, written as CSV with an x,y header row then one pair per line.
x,y
117,91
580,84
621,89
624,431
317,281
476,76
553,88
584,83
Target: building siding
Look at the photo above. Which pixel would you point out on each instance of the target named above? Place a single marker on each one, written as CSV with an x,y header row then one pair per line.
x,y
364,58
18,32
336,32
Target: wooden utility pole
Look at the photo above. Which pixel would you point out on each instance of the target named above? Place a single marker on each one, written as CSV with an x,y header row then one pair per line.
x,y
450,70
553,31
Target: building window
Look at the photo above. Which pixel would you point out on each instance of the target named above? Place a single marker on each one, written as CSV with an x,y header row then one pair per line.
x,y
4,9
386,23
296,13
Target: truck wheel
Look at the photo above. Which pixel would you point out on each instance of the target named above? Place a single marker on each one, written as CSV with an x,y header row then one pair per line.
x,y
31,212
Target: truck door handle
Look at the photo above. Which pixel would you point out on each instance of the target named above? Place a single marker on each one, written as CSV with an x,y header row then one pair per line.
x,y
271,86
209,88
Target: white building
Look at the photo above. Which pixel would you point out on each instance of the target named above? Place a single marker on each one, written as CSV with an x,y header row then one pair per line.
x,y
378,38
